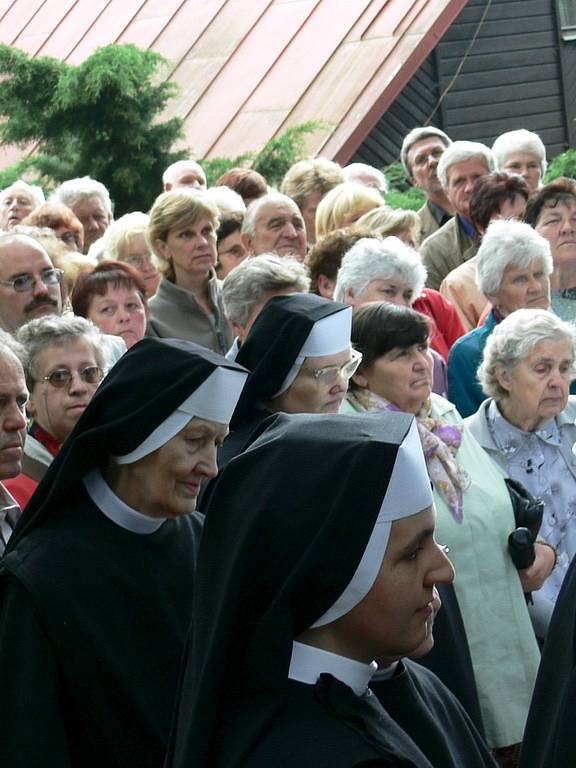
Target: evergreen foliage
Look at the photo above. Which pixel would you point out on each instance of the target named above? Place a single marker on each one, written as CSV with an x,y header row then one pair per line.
x,y
273,160
562,165
99,119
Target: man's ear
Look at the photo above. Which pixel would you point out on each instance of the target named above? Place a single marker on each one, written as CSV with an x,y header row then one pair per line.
x,y
246,241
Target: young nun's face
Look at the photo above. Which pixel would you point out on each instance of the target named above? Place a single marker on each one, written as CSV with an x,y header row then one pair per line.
x,y
395,618
166,482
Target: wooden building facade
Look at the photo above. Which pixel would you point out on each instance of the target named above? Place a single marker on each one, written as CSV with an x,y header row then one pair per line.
x,y
502,65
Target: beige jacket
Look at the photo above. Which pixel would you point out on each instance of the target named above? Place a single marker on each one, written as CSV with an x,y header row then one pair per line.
x,y
445,250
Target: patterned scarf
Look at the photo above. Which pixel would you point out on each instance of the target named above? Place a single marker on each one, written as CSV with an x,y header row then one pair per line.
x,y
440,443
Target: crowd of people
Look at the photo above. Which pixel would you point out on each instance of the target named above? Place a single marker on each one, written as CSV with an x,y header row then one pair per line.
x,y
233,430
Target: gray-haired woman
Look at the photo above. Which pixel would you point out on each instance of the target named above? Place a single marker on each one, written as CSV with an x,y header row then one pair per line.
x,y
64,365
513,268
527,427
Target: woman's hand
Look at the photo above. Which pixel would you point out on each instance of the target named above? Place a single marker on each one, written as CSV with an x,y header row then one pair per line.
x,y
534,577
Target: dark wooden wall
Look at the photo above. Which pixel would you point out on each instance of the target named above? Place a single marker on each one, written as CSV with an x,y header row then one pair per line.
x,y
518,74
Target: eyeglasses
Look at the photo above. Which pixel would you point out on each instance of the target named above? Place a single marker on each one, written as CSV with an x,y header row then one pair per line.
x,y
62,377
331,373
26,282
139,262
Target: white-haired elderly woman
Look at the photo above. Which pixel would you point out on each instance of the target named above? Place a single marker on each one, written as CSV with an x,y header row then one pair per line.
x,y
125,240
64,365
527,427
522,152
513,269
390,270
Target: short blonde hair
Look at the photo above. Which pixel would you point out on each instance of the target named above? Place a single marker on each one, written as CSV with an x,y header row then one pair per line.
x,y
385,221
175,209
317,175
344,205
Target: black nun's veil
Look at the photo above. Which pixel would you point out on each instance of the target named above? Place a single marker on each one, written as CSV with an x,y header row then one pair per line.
x,y
145,386
272,346
285,530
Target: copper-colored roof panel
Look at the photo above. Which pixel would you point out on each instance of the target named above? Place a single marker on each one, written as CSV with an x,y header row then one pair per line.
x,y
322,31
187,26
15,19
150,22
251,129
109,25
72,29
248,69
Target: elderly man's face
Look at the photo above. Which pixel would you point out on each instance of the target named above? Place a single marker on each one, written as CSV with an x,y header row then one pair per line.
x,y
527,165
558,225
423,157
15,205
279,228
461,178
94,218
13,397
193,177
18,258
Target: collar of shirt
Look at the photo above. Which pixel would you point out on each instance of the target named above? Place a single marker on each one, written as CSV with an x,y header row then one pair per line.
x,y
308,663
39,433
115,509
438,214
510,439
466,225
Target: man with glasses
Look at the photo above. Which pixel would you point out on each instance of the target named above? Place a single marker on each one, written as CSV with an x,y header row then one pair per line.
x,y
29,284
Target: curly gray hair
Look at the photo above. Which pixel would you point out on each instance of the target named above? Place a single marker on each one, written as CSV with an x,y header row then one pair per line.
x,y
514,339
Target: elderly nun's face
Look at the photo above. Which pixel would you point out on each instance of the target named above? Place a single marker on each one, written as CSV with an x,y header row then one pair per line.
x,y
537,387
320,386
522,288
395,618
166,482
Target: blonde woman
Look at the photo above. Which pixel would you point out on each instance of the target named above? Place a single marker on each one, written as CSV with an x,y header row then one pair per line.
x,y
187,305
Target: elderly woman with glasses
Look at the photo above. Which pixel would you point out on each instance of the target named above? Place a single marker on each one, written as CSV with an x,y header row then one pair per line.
x,y
299,354
527,426
475,514
125,240
63,367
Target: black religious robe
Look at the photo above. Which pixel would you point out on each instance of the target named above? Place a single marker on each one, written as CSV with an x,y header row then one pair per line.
x,y
92,629
328,726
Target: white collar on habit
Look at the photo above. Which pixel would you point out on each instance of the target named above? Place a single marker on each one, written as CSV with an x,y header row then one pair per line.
x,y
308,663
115,509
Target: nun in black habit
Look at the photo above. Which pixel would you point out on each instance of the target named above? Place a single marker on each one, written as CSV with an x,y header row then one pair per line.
x,y
331,565
550,736
300,360
96,582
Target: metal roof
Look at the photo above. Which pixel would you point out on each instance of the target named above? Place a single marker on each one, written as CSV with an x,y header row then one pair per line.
x,y
248,69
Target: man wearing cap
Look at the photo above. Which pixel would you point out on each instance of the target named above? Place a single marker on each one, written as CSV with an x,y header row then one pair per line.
x,y
96,582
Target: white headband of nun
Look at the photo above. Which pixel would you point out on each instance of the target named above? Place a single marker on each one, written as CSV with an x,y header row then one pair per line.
x,y
214,400
328,336
408,493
